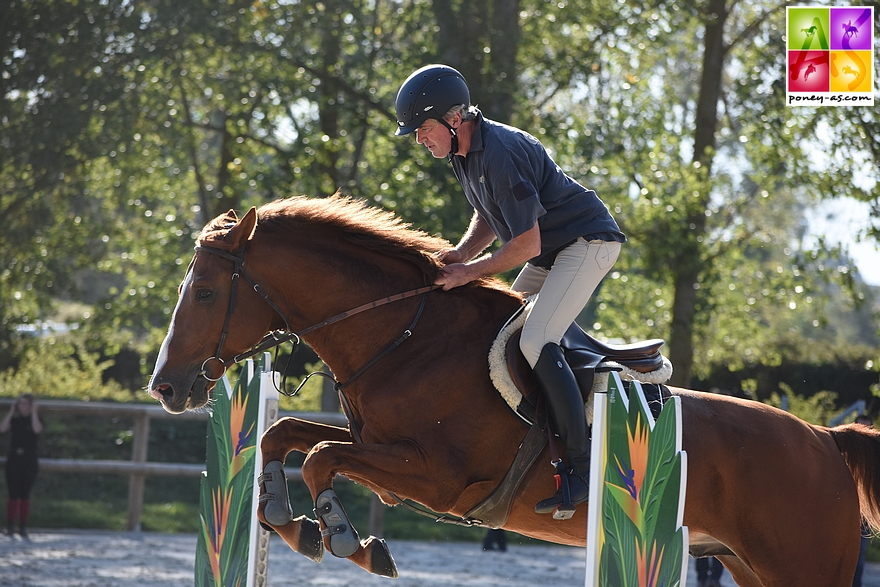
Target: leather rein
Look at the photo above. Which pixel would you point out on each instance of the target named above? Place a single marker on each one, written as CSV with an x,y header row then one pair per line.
x,y
277,337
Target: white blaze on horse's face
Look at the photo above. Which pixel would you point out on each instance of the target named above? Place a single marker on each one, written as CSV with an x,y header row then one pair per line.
x,y
163,350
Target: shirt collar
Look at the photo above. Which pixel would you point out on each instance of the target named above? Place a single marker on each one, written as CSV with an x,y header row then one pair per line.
x,y
477,137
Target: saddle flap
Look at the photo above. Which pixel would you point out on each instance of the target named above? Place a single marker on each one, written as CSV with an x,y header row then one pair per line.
x,y
583,364
520,371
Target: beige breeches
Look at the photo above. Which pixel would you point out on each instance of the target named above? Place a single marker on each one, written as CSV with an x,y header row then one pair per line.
x,y
563,291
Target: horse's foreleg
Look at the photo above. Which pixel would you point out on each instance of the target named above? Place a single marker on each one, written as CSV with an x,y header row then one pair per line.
x,y
396,468
292,434
302,534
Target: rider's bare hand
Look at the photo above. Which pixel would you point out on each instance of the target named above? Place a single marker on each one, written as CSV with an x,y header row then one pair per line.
x,y
449,256
456,275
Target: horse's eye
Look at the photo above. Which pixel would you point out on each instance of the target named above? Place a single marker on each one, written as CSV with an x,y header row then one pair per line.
x,y
203,295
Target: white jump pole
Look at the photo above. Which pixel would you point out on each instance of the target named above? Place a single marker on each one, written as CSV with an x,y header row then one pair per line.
x,y
669,465
597,470
258,553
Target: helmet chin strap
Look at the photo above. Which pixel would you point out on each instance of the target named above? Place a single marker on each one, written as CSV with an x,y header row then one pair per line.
x,y
454,148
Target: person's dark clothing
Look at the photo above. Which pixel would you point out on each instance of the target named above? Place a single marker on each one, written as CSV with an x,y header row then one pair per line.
x,y
512,182
703,571
495,537
22,464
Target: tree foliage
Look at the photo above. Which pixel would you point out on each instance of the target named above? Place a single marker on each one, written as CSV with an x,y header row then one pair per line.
x,y
710,172
127,125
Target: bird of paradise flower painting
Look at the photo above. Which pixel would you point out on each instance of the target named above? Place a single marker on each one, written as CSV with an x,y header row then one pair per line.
x,y
227,486
641,540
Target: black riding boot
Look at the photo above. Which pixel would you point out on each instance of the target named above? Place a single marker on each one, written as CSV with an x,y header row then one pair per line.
x,y
567,409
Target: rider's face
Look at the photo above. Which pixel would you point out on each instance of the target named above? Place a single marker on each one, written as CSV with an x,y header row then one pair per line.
x,y
435,137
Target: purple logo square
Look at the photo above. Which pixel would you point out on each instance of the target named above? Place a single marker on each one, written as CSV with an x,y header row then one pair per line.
x,y
851,28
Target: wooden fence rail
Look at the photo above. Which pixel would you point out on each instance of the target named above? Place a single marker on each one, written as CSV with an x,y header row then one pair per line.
x,y
139,468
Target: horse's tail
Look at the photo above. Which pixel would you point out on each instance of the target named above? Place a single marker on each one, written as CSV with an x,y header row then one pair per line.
x,y
860,446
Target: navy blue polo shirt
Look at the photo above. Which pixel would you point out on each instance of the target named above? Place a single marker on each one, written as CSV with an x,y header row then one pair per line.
x,y
511,181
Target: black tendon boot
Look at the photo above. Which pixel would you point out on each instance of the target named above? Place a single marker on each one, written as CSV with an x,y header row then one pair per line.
x,y
567,409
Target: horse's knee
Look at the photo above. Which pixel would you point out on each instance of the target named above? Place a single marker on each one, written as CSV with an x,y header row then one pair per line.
x,y
319,467
273,444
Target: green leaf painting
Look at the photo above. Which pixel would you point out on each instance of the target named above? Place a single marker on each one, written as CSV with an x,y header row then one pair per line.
x,y
226,502
641,539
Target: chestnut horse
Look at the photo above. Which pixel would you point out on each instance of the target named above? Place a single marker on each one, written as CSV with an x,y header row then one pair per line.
x,y
778,499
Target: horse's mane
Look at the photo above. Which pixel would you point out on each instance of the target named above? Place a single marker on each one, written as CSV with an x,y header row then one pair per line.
x,y
353,220
360,224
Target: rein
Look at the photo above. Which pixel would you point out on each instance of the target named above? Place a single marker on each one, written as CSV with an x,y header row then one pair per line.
x,y
278,337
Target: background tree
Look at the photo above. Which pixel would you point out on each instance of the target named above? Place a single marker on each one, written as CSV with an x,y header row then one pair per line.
x,y
125,126
695,156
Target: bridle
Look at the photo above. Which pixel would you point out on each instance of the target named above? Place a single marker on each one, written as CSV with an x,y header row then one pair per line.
x,y
277,337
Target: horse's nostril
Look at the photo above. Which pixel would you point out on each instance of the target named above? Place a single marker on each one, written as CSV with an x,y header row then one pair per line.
x,y
163,392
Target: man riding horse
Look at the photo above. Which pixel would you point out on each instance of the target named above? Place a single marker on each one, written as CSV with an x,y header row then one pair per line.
x,y
561,230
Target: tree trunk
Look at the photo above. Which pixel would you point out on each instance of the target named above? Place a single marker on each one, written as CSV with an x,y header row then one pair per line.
x,y
474,34
689,263
327,153
506,36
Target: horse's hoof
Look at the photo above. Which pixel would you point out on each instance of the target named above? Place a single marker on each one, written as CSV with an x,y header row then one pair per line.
x,y
311,543
381,561
344,540
276,511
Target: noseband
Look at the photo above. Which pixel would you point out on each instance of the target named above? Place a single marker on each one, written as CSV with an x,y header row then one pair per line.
x,y
277,337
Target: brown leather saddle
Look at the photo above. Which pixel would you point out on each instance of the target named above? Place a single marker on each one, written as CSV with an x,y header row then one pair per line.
x,y
584,354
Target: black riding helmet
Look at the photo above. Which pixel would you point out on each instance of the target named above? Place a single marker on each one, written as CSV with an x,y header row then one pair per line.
x,y
429,93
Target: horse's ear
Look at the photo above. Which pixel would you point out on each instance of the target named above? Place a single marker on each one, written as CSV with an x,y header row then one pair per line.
x,y
244,230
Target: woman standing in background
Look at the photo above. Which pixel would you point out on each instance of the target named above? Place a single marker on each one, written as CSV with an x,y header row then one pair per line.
x,y
21,463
